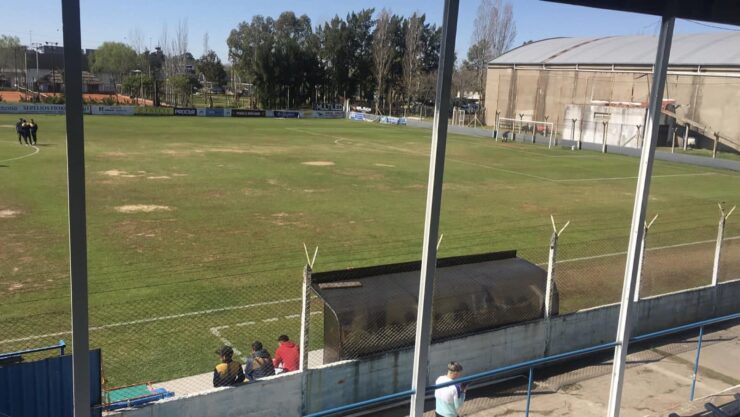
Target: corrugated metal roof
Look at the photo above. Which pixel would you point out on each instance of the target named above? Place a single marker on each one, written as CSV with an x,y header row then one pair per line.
x,y
716,48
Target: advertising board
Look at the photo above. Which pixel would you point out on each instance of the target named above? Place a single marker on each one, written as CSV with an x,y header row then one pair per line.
x,y
185,111
247,113
153,111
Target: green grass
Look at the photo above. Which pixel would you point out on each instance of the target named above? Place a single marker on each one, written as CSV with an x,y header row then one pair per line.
x,y
241,203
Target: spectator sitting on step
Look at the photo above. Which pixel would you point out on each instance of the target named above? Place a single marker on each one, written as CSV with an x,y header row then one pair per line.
x,y
287,355
228,372
259,364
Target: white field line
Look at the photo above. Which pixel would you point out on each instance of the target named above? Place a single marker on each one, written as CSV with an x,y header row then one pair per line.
x,y
607,255
697,174
155,319
225,341
37,150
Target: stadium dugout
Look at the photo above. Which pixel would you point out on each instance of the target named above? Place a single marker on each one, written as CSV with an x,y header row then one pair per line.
x,y
719,11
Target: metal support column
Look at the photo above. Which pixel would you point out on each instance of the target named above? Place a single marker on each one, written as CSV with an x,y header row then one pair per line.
x,y
529,392
433,205
638,215
696,363
714,146
76,205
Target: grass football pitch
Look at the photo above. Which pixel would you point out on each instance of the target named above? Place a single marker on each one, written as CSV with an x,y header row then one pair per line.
x,y
196,225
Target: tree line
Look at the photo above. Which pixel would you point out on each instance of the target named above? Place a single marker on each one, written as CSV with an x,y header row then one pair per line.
x,y
380,59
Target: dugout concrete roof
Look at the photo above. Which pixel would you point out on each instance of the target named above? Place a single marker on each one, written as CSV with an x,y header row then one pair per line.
x,y
697,49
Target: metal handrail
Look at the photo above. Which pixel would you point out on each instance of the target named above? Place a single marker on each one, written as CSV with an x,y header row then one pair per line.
x,y
526,365
61,345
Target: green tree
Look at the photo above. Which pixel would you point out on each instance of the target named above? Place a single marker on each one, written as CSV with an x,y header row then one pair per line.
x,y
360,26
11,54
183,86
115,58
212,69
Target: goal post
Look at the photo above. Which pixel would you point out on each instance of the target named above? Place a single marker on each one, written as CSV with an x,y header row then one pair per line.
x,y
511,129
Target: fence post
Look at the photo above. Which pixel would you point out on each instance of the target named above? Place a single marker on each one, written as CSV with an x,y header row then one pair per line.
x,y
305,317
720,237
573,134
529,392
551,265
687,127
495,129
603,139
714,147
642,258
696,362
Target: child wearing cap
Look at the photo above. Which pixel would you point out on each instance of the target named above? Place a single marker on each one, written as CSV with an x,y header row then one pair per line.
x,y
228,372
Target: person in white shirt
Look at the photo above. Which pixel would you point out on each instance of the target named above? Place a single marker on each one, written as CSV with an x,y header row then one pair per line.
x,y
450,398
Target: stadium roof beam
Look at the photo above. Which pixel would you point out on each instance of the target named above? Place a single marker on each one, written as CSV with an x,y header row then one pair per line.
x,y
76,203
717,11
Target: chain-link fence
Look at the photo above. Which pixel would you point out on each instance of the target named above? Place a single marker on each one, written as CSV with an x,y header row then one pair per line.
x,y
151,335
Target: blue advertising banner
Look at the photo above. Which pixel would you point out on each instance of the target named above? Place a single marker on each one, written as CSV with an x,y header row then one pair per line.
x,y
215,112
286,114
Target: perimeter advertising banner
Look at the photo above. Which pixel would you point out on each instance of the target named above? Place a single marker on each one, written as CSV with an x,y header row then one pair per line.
x,y
21,108
247,113
153,111
356,116
185,111
214,113
113,110
390,120
328,114
286,114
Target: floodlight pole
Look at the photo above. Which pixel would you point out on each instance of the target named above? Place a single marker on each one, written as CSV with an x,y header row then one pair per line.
x,y
638,215
76,204
433,205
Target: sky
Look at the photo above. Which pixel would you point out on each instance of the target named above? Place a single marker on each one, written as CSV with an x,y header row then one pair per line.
x,y
108,20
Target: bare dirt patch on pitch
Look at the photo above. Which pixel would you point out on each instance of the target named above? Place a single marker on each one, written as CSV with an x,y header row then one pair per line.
x,y
141,208
117,173
8,213
159,177
385,165
7,126
318,163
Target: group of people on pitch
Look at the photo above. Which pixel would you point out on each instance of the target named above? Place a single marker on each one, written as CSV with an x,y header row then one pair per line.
x,y
27,131
259,364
